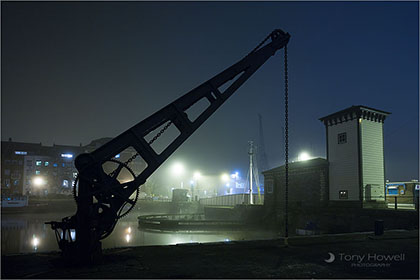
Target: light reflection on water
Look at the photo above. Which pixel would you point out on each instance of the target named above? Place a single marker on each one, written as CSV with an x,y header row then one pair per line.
x,y
24,233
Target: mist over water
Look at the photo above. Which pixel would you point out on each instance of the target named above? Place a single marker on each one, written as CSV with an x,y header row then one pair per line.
x,y
27,233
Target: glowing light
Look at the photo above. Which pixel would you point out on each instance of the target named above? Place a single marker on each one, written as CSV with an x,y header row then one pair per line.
x,y
35,242
197,175
178,169
127,238
67,155
304,156
38,181
225,177
129,229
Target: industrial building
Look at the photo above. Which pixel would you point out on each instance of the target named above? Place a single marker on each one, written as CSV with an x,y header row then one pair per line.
x,y
354,171
322,191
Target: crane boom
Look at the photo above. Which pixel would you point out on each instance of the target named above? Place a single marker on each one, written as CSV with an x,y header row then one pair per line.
x,y
100,196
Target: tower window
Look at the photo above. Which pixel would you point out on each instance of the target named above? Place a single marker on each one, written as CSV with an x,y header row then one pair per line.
x,y
342,138
343,194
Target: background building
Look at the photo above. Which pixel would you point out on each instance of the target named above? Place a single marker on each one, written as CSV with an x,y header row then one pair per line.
x,y
34,169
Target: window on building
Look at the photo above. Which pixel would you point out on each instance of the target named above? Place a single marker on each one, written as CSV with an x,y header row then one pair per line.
x,y
269,185
46,163
7,183
55,164
393,191
342,138
16,182
38,163
7,172
74,174
37,172
343,194
65,183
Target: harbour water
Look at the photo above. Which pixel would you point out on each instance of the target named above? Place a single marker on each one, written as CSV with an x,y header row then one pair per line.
x,y
26,233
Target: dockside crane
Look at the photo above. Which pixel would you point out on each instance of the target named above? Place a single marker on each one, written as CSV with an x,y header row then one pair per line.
x,y
101,195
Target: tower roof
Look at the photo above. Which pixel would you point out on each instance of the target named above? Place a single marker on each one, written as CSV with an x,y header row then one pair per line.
x,y
355,112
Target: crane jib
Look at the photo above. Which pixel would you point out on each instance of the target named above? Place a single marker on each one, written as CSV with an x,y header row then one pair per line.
x,y
101,198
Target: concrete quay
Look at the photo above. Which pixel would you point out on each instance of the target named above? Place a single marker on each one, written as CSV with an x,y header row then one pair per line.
x,y
394,255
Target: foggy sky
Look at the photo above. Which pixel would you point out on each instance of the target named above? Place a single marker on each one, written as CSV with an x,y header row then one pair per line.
x,y
74,72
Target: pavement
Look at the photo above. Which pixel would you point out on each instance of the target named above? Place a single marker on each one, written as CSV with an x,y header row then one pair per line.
x,y
394,255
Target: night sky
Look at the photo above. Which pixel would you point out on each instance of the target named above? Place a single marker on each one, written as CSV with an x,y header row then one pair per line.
x,y
74,72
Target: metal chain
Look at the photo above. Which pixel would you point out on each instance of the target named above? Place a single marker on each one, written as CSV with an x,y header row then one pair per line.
x,y
150,143
286,139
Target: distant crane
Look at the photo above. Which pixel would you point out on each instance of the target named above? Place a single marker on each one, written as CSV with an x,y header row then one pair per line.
x,y
262,156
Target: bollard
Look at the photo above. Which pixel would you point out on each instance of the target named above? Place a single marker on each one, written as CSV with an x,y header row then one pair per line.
x,y
379,227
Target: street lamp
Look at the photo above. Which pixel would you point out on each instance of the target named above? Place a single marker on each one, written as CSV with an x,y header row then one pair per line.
x,y
197,176
38,181
304,156
225,177
178,170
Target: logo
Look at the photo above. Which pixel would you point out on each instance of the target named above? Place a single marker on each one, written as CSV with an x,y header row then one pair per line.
x,y
367,259
331,259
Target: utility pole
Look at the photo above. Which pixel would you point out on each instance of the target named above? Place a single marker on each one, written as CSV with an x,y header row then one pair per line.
x,y
251,155
262,155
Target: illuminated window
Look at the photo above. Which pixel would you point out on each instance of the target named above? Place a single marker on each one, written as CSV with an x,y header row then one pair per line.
x,y
38,162
37,172
393,191
342,138
67,155
74,174
55,165
20,153
46,163
343,194
65,183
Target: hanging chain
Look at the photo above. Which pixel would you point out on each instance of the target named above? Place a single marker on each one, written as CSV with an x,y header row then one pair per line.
x,y
133,157
286,138
151,140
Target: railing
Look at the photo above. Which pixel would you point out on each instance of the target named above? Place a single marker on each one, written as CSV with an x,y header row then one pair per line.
x,y
396,201
231,200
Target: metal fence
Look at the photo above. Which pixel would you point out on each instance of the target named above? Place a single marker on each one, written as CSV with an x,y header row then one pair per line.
x,y
397,201
231,200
